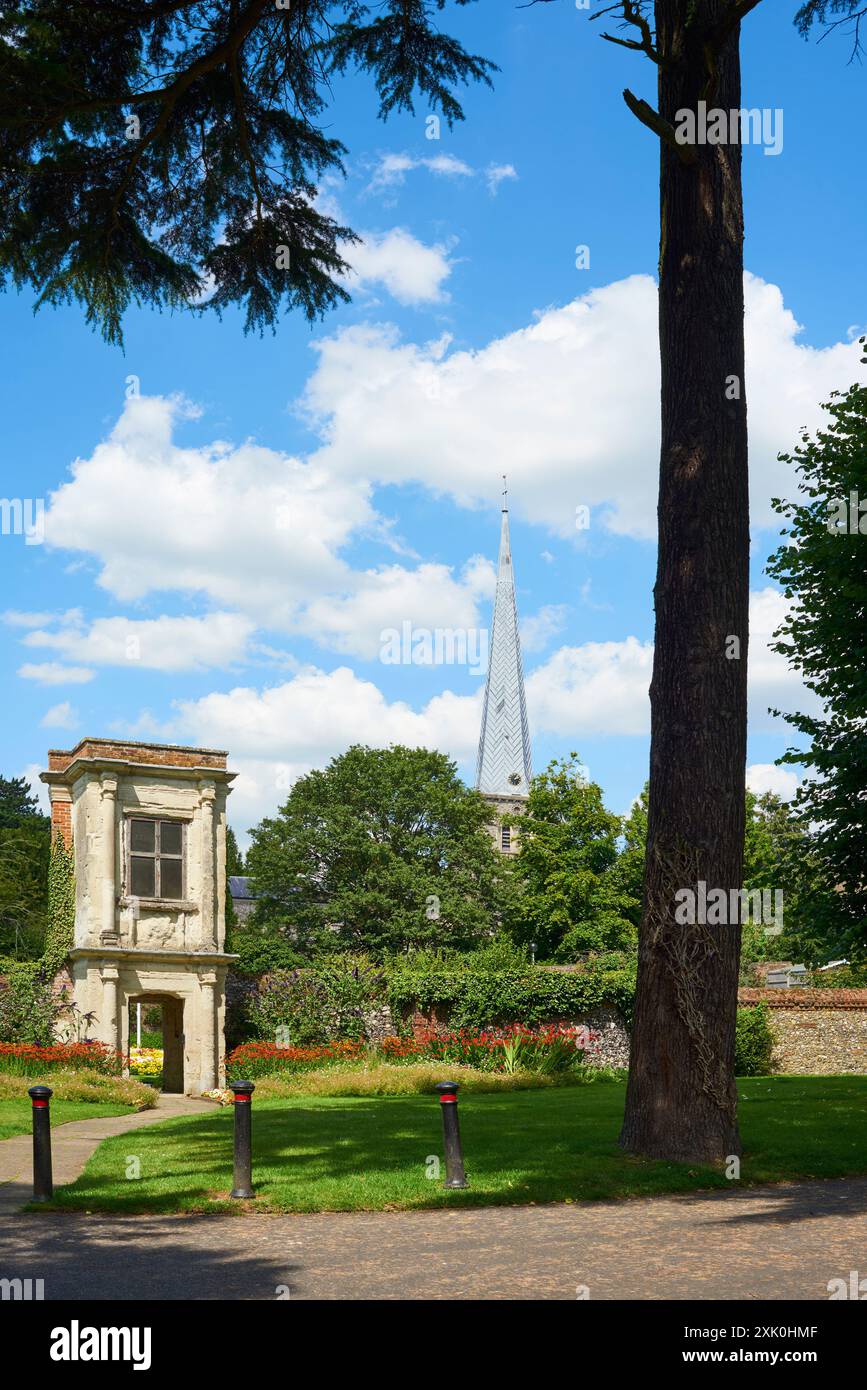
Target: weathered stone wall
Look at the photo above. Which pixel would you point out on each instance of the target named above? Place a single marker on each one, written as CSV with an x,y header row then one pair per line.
x,y
816,1031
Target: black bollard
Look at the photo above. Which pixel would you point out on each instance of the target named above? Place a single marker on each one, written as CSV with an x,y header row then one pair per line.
x,y
448,1094
43,1186
243,1138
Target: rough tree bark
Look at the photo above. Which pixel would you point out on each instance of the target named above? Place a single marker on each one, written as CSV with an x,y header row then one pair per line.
x,y
681,1099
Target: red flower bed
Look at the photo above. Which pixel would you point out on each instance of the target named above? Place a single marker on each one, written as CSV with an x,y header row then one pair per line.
x,y
262,1058
23,1059
556,1047
553,1048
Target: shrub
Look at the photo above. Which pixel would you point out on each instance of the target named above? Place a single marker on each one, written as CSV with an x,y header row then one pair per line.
x,y
22,1058
754,1041
325,1001
261,951
841,977
27,1005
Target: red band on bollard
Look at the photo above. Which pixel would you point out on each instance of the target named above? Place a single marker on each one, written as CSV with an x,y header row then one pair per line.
x,y
448,1100
242,1100
40,1105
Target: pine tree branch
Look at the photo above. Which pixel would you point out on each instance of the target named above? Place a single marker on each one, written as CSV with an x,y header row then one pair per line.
x,y
661,127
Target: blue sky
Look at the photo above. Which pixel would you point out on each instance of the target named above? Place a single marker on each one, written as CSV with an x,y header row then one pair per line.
x,y
221,563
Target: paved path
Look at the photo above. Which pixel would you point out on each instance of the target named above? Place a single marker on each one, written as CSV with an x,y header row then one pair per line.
x,y
767,1243
73,1143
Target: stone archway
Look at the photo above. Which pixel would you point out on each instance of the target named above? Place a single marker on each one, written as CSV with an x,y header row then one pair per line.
x,y
172,1007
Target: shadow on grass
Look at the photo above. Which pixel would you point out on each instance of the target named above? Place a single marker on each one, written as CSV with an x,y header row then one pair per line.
x,y
526,1147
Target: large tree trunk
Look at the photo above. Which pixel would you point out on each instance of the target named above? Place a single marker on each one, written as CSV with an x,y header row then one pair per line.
x,y
681,1099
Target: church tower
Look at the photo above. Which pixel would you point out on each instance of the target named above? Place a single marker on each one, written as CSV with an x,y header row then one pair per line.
x,y
504,768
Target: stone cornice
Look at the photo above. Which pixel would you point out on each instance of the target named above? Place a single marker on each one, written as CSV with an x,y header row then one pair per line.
x,y
197,959
127,768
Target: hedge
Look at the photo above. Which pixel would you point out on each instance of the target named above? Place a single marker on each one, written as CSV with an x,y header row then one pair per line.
x,y
525,994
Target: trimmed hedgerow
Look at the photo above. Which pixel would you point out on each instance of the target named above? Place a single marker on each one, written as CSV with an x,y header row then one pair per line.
x,y
513,993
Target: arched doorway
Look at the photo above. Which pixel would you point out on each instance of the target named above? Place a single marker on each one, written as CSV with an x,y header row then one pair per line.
x,y
171,1029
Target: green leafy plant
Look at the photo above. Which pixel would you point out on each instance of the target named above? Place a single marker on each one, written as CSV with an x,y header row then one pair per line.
x,y
475,996
754,1041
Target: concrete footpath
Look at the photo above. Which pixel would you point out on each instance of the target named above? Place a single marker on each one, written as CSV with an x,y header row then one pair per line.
x,y
784,1242
73,1143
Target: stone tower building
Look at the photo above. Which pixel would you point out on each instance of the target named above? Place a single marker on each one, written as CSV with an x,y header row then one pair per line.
x,y
147,827
504,769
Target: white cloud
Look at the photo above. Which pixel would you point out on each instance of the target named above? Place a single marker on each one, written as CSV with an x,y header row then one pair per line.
x,y
278,734
495,174
162,644
568,405
61,716
538,629
428,597
53,673
38,789
597,688
412,272
391,170
602,687
249,528
767,777
13,618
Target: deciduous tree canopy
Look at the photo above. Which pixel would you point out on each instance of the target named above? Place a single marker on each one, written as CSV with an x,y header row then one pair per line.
x,y
384,850
822,568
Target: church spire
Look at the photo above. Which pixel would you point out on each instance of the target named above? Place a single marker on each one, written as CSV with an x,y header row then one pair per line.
x,y
504,765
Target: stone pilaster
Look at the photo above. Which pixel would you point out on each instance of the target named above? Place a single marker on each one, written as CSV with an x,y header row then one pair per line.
x,y
108,1022
208,1029
108,914
208,918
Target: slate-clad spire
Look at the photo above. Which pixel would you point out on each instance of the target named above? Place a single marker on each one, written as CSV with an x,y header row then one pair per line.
x,y
504,765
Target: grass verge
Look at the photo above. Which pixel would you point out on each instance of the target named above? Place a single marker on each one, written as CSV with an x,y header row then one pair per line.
x,y
77,1095
372,1153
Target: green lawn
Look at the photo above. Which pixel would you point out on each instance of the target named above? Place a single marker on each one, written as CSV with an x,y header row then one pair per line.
x,y
314,1154
16,1115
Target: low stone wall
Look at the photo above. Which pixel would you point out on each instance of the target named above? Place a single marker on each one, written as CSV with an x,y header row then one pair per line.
x,y
816,1031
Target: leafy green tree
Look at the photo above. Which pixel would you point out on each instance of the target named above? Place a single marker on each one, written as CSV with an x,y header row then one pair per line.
x,y
571,902
18,804
25,846
153,148
385,850
234,866
781,853
822,568
234,857
628,872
